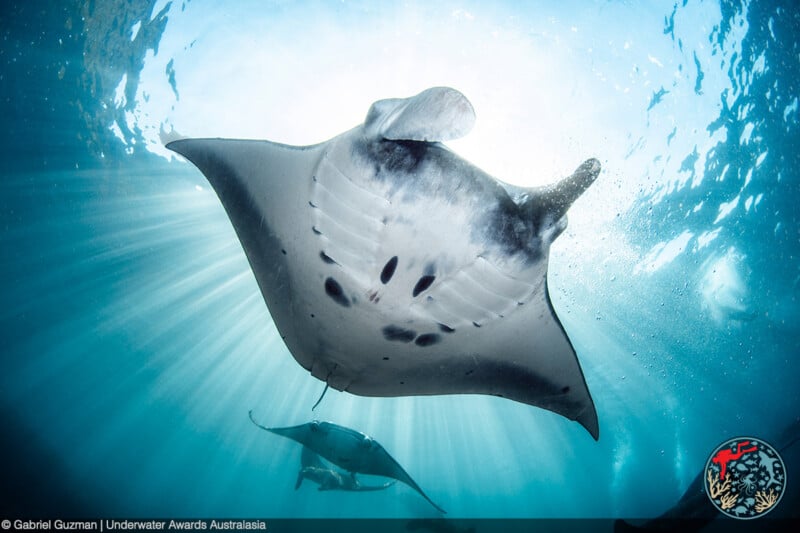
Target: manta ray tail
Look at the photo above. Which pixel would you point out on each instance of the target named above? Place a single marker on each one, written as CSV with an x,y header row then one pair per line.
x,y
321,396
253,420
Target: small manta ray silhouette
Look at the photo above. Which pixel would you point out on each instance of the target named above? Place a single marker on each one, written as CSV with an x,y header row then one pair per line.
x,y
348,449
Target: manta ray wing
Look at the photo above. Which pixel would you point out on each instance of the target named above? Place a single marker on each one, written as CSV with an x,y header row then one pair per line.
x,y
369,457
308,458
257,183
393,267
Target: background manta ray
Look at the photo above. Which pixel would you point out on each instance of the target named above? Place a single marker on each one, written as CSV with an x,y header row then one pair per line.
x,y
392,267
313,468
348,449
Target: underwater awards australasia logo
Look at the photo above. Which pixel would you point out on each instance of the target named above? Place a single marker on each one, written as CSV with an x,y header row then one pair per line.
x,y
745,478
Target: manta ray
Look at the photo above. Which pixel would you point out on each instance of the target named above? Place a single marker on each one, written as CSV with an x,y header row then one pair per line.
x,y
393,267
348,449
312,468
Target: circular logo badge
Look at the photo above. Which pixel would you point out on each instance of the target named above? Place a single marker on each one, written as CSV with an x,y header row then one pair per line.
x,y
745,478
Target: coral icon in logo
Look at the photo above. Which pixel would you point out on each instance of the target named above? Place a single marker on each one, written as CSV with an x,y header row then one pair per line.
x,y
745,478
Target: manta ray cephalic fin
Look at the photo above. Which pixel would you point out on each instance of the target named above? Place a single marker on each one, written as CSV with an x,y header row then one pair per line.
x,y
435,114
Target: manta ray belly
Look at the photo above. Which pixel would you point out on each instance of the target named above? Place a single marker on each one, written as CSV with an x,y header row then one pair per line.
x,y
412,287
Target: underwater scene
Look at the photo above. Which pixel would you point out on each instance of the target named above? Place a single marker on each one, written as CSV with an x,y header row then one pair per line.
x,y
396,321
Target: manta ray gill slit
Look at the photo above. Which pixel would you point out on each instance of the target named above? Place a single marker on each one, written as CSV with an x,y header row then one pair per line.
x,y
398,334
327,259
428,339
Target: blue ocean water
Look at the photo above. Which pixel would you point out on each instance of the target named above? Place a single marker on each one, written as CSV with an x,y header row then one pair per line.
x,y
134,337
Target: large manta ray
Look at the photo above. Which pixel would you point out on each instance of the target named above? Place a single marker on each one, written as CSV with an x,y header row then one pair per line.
x,y
393,267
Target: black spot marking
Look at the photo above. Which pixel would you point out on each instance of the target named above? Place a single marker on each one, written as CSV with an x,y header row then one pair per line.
x,y
444,328
326,258
315,230
517,225
423,283
476,324
385,358
283,251
388,270
312,315
468,372
428,339
395,156
334,290
402,383
395,333
565,390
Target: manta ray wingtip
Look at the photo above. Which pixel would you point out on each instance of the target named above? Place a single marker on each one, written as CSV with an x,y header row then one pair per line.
x,y
253,420
182,147
592,166
174,144
588,419
585,174
558,198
